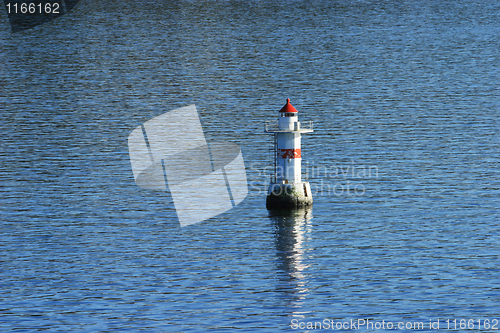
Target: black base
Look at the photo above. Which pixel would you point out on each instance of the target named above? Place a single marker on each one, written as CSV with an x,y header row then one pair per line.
x,y
280,202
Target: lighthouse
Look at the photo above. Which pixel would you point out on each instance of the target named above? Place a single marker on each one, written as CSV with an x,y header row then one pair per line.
x,y
287,190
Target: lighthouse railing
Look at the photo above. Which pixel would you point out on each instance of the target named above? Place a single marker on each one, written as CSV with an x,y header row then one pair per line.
x,y
273,126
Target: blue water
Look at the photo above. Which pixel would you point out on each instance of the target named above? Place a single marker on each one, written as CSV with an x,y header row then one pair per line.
x,y
404,165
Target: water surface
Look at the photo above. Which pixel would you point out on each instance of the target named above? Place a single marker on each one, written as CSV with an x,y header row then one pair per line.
x,y
407,90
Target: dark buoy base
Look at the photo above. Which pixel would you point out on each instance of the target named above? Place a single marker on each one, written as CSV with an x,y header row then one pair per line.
x,y
289,196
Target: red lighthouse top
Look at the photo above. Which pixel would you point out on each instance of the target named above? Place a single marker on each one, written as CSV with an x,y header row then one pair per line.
x,y
288,107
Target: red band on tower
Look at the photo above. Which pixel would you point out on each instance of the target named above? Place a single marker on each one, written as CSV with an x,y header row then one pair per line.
x,y
289,153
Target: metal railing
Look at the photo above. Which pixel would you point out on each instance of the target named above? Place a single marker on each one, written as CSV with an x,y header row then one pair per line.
x,y
273,126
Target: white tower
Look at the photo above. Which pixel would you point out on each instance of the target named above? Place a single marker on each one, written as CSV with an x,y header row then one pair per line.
x,y
287,190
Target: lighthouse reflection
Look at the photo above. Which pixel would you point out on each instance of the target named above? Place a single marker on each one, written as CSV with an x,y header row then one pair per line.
x,y
292,229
